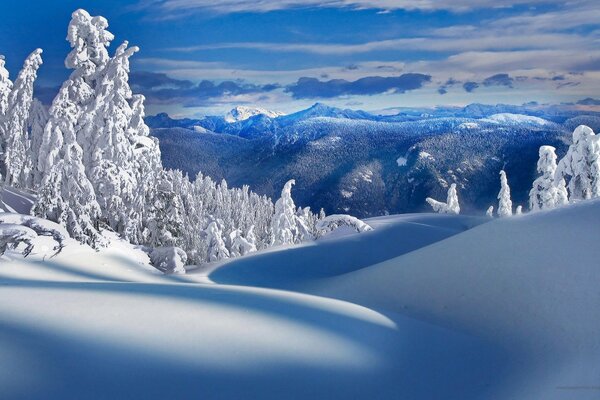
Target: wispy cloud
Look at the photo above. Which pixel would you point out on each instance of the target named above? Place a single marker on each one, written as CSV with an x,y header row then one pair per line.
x,y
183,7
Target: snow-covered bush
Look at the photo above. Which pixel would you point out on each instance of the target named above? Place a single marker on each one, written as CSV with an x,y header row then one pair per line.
x,y
170,260
335,221
451,206
32,227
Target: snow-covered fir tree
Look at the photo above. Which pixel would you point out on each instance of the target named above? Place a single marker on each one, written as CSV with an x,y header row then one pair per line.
x,y
5,87
504,201
490,212
61,156
451,206
216,245
284,225
14,129
108,151
546,192
580,167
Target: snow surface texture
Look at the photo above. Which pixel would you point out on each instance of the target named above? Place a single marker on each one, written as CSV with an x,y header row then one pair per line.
x,y
425,306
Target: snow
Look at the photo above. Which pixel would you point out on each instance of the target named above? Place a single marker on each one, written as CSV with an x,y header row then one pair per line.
x,y
424,306
401,161
516,119
242,113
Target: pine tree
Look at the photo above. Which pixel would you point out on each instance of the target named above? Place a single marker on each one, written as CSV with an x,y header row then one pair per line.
x,y
504,201
580,167
451,206
546,193
284,221
216,246
108,155
5,87
14,128
79,208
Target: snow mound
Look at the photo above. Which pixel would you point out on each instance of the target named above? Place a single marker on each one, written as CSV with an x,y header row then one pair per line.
x,y
242,113
517,119
293,267
528,282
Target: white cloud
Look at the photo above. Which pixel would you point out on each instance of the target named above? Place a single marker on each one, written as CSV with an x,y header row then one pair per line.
x,y
179,7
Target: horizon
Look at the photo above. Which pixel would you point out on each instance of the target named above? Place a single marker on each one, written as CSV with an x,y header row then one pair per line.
x,y
198,58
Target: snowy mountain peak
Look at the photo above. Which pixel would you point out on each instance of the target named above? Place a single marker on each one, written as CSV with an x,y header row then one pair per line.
x,y
242,113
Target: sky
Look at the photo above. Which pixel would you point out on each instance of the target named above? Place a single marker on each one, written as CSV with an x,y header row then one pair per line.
x,y
204,57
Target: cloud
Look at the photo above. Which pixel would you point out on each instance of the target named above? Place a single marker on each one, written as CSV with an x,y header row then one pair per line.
x,y
470,86
443,42
310,88
177,8
159,88
499,80
154,80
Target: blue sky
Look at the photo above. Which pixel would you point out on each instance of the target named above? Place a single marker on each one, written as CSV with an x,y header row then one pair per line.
x,y
205,56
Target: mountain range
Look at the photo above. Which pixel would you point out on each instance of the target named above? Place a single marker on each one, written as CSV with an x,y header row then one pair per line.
x,y
367,164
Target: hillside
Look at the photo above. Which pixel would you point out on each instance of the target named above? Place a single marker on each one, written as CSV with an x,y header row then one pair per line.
x,y
484,310
346,161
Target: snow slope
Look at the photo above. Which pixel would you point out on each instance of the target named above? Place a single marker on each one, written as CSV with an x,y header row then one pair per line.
x,y
424,307
88,324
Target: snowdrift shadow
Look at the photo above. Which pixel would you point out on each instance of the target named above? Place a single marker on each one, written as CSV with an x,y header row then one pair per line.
x,y
289,268
55,364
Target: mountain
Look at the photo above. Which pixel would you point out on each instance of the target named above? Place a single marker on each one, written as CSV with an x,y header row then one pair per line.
x,y
242,113
348,161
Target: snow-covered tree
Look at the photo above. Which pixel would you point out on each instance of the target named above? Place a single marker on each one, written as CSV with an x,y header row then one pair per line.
x,y
61,156
451,206
519,210
490,212
546,192
166,228
14,128
108,151
285,230
5,87
504,201
580,167
216,246
240,246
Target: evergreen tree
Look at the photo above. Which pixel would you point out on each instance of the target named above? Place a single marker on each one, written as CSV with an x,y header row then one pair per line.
x,y
284,221
546,193
88,38
504,201
5,87
451,206
14,128
580,167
